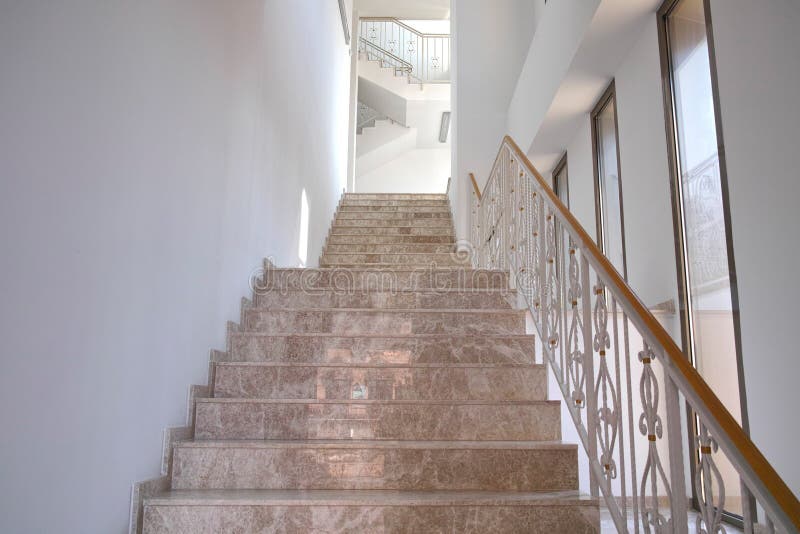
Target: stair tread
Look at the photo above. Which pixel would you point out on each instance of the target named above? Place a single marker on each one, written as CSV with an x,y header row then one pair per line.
x,y
349,497
378,444
391,310
388,365
386,336
240,400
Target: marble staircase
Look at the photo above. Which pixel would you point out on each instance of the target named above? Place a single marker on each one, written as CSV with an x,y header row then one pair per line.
x,y
393,390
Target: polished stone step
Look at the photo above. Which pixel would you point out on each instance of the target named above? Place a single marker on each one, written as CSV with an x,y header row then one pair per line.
x,y
393,215
395,196
390,248
393,230
370,511
438,222
407,350
329,298
361,239
218,419
380,382
355,322
330,259
347,202
384,465
395,279
442,211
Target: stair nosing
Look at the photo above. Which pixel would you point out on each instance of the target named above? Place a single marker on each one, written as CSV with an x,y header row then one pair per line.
x,y
387,336
398,402
510,365
378,444
379,498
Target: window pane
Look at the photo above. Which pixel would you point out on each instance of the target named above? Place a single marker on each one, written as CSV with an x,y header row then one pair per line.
x,y
610,207
703,224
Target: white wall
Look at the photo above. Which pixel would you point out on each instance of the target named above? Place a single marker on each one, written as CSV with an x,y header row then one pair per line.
x,y
647,205
758,63
422,170
153,152
490,41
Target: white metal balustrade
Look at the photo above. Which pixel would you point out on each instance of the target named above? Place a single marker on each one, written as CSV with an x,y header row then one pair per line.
x,y
394,42
625,382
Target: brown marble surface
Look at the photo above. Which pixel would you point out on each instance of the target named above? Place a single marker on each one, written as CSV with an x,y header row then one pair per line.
x,y
487,466
322,298
388,322
389,420
321,348
382,382
377,512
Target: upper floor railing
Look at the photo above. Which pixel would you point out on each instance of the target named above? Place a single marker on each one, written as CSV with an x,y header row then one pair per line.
x,y
427,54
628,388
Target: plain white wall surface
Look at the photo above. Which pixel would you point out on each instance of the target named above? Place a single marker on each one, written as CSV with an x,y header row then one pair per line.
x,y
421,170
646,194
152,153
758,64
490,41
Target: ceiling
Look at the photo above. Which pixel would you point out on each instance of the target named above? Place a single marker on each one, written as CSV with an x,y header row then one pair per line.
x,y
404,9
610,36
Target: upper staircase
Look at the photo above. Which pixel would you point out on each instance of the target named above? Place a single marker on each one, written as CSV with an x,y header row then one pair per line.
x,y
393,390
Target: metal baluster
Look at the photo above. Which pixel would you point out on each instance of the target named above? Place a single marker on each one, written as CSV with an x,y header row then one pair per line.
x,y
588,369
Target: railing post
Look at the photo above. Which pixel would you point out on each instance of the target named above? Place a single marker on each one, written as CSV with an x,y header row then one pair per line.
x,y
588,369
678,506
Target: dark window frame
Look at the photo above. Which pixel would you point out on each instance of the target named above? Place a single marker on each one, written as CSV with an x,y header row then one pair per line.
x,y
684,303
608,95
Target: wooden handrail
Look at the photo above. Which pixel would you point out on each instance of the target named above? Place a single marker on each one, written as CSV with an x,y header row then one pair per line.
x,y
475,186
745,447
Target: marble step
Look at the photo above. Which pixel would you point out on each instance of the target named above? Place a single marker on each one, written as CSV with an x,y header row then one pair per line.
x,y
390,248
355,322
396,279
330,259
370,511
329,298
378,208
387,222
394,215
384,465
395,196
392,350
219,419
393,230
348,202
380,382
363,239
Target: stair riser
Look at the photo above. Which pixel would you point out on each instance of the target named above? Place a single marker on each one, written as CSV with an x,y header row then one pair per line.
x,y
330,259
395,196
382,280
376,350
343,215
383,300
392,230
390,239
353,323
218,419
403,383
441,204
398,248
439,222
372,518
548,469
443,209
